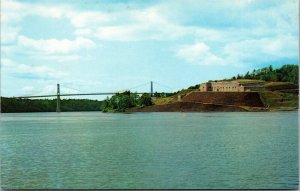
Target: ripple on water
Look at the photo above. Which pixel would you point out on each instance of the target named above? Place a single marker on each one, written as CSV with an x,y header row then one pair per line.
x,y
150,150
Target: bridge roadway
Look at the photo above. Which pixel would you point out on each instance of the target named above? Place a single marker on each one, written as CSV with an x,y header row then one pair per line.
x,y
81,94
58,95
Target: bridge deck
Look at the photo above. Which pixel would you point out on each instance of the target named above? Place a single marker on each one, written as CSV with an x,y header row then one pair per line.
x,y
82,94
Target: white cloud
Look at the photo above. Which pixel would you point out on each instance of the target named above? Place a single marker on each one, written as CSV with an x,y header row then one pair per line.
x,y
160,20
262,49
165,20
199,53
51,46
35,71
242,52
252,24
60,50
58,58
50,49
6,62
148,24
64,50
11,11
11,14
86,19
128,25
47,79
83,32
9,34
43,90
14,11
119,33
48,11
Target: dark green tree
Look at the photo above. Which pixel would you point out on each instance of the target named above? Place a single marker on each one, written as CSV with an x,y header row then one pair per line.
x,y
146,100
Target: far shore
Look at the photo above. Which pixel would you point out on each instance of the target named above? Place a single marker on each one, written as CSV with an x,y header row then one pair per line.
x,y
198,107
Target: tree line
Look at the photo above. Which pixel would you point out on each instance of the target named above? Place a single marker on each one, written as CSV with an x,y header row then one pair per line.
x,y
10,105
286,73
120,102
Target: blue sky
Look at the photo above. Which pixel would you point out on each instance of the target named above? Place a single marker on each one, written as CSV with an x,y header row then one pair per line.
x,y
102,45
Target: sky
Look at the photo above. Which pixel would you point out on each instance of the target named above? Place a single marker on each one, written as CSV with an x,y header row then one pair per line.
x,y
114,45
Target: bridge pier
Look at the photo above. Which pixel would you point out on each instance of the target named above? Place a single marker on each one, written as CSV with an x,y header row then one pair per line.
x,y
58,99
151,88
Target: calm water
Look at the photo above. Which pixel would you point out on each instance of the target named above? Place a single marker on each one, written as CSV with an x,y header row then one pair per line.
x,y
149,150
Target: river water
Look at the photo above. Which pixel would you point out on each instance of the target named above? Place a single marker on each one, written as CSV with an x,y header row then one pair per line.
x,y
88,150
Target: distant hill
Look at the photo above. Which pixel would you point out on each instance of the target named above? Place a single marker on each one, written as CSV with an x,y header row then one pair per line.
x,y
287,73
274,96
279,91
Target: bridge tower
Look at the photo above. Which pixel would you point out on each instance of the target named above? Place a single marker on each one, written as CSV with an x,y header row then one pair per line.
x,y
58,99
151,88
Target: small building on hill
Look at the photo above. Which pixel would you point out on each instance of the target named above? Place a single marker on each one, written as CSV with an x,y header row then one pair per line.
x,y
222,86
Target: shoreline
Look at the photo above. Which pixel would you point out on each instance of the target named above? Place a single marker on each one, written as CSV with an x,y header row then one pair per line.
x,y
207,107
136,111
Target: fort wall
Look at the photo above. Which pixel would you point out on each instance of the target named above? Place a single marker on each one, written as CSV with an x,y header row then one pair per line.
x,y
231,86
225,98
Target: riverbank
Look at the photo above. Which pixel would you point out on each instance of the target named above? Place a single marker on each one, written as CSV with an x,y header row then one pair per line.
x,y
275,96
186,107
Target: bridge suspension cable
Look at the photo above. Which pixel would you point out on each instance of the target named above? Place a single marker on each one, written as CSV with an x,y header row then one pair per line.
x,y
132,88
140,85
160,84
79,93
67,87
38,92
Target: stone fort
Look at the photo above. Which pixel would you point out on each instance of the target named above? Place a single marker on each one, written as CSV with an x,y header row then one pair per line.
x,y
222,86
228,86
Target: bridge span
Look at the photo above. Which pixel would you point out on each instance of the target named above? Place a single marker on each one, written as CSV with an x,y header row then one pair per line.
x,y
80,94
58,95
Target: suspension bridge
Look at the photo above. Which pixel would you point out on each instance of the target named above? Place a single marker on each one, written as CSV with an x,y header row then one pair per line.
x,y
59,94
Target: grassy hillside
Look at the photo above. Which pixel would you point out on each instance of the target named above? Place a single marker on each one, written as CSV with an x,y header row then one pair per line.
x,y
279,101
276,96
173,98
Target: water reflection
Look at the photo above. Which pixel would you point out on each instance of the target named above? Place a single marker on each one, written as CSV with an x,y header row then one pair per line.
x,y
149,150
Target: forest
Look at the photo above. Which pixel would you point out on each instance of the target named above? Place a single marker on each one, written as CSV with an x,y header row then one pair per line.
x,y
11,105
286,73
